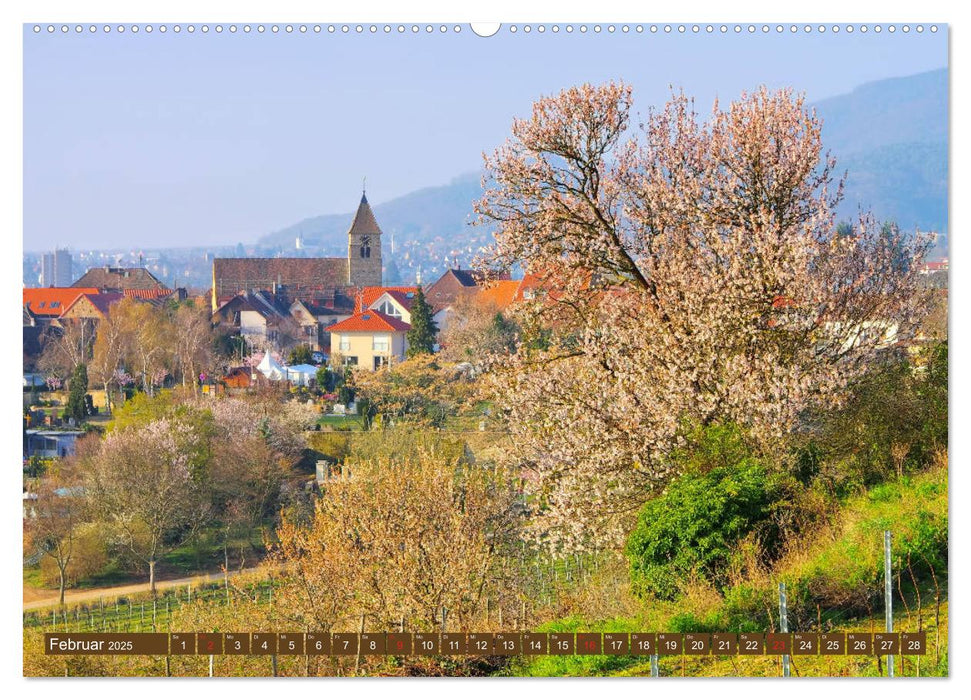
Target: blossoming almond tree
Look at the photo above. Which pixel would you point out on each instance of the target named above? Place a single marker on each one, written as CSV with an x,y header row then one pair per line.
x,y
690,270
141,482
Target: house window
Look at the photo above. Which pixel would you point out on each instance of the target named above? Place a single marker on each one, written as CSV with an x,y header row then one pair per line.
x,y
390,309
351,360
381,343
345,343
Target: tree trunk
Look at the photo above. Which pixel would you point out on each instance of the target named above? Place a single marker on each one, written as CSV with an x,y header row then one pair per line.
x,y
151,577
63,580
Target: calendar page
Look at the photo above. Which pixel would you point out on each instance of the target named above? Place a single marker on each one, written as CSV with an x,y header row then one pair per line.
x,y
543,349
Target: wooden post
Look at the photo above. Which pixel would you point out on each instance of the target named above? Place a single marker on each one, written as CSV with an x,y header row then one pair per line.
x,y
357,660
784,625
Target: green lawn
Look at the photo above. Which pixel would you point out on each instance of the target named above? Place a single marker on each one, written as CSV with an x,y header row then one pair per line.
x,y
347,422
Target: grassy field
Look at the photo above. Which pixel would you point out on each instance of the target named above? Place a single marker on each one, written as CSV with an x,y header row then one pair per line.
x,y
833,576
830,579
340,422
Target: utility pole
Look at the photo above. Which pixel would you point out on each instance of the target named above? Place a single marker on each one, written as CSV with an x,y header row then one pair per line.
x,y
888,593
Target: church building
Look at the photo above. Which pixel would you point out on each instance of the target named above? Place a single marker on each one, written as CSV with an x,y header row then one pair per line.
x,y
326,282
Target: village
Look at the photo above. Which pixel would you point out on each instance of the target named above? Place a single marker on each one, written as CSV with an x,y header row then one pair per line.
x,y
278,320
615,421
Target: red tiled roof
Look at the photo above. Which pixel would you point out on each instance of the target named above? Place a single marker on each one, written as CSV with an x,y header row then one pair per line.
x,y
369,295
405,299
367,321
157,293
51,302
529,282
500,293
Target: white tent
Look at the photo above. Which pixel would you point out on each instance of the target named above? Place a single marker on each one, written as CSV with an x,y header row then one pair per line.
x,y
270,368
301,374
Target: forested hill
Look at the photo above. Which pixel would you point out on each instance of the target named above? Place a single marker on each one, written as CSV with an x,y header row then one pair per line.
x,y
890,135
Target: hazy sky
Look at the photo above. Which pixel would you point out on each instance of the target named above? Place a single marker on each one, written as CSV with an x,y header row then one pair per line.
x,y
171,139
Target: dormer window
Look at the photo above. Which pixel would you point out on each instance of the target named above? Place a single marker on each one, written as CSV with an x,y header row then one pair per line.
x,y
390,309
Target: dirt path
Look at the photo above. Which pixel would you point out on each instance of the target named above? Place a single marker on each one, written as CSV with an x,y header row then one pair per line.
x,y
42,597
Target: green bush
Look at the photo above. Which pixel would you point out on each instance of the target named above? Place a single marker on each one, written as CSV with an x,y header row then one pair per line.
x,y
894,421
693,528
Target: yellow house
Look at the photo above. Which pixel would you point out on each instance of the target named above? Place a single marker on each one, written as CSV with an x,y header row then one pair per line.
x,y
369,339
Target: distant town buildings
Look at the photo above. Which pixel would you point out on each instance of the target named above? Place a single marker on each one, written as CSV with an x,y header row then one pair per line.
x,y
277,301
930,268
57,269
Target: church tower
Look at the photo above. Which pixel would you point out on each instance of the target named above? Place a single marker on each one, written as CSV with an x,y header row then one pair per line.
x,y
364,248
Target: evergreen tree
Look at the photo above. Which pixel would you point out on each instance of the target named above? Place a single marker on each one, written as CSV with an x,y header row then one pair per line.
x,y
421,337
75,407
300,355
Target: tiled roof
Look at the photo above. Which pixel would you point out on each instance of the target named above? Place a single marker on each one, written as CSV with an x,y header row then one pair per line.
x,y
262,303
156,293
119,278
364,222
528,283
233,275
447,288
318,308
51,302
101,302
467,278
405,299
367,321
500,293
369,295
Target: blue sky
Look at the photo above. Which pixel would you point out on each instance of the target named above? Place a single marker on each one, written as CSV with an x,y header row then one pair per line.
x,y
156,140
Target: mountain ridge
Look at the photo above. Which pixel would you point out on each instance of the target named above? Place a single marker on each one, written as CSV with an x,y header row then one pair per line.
x,y
890,135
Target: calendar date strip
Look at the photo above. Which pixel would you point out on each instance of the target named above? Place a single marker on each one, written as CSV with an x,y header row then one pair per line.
x,y
487,644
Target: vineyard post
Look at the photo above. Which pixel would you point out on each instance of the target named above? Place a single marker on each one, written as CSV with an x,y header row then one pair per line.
x,y
888,593
784,625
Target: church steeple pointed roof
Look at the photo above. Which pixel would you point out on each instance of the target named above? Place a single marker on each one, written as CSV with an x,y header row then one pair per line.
x,y
364,222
